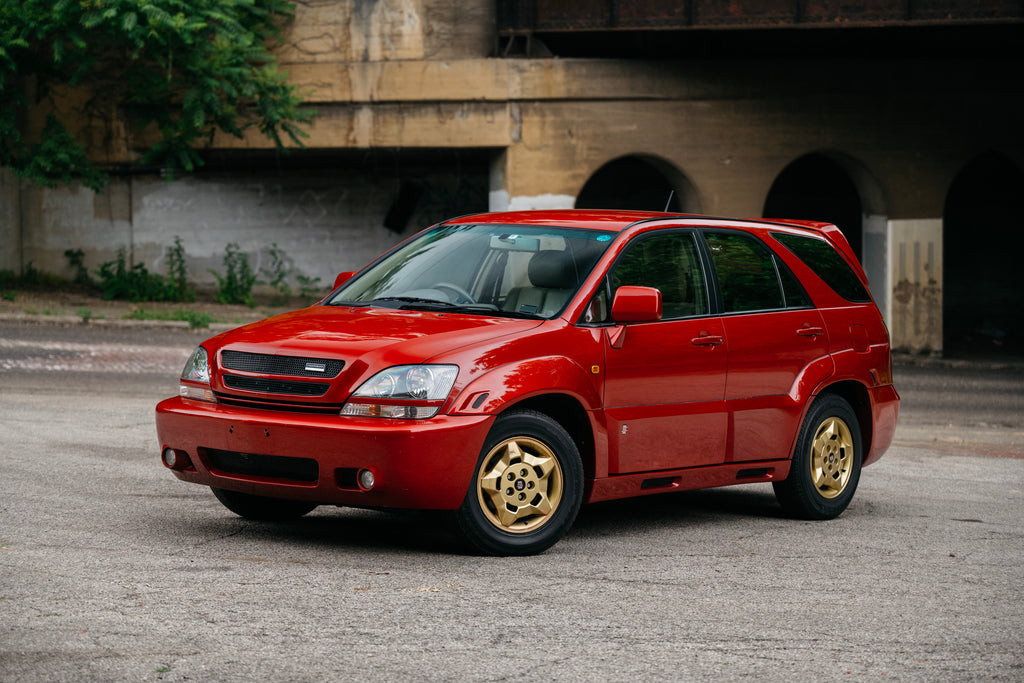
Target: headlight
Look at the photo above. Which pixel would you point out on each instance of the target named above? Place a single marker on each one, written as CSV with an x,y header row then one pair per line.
x,y
197,371
405,391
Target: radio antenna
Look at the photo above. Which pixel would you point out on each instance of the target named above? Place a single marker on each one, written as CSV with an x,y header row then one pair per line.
x,y
669,202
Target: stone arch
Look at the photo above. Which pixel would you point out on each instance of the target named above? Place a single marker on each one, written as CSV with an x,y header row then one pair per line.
x,y
835,187
983,237
831,186
639,181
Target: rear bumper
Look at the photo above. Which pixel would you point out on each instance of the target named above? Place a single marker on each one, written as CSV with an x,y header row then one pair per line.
x,y
885,408
422,464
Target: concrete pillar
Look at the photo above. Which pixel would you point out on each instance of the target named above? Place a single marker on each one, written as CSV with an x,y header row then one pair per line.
x,y
510,170
10,221
875,249
915,252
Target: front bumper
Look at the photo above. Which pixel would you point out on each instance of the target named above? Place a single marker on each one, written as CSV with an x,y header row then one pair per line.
x,y
421,464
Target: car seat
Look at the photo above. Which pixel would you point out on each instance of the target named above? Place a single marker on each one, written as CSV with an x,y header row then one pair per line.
x,y
553,278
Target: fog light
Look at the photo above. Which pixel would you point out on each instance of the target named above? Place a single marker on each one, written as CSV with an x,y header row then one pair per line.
x,y
170,458
366,479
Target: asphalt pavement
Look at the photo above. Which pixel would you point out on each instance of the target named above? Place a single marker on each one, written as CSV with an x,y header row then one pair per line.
x,y
111,569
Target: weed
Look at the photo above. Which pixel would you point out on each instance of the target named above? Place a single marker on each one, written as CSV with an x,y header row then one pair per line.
x,y
163,670
118,281
235,286
76,259
177,274
37,279
198,319
83,313
50,311
309,287
277,274
8,295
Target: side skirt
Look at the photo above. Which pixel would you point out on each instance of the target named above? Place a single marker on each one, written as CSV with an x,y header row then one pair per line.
x,y
645,483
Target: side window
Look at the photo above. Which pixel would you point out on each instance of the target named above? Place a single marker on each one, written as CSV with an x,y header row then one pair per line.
x,y
746,272
670,263
821,257
796,297
826,263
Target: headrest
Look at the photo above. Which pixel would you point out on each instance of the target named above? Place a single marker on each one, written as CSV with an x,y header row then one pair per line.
x,y
552,269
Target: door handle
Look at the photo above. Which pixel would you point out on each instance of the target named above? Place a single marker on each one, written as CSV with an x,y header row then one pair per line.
x,y
810,331
708,340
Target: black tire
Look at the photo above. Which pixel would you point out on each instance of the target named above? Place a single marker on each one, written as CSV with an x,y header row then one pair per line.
x,y
826,463
535,507
262,508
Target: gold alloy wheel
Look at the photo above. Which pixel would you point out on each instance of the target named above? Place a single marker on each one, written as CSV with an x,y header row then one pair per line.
x,y
519,485
831,457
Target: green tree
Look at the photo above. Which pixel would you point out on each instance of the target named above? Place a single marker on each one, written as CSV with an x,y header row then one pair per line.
x,y
176,70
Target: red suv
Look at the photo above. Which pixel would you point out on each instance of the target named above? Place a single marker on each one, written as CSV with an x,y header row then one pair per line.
x,y
511,366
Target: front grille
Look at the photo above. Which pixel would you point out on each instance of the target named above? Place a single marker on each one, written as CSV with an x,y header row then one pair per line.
x,y
282,404
269,364
256,465
276,386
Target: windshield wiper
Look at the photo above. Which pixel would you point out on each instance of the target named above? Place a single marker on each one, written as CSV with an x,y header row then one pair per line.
x,y
407,303
498,313
412,303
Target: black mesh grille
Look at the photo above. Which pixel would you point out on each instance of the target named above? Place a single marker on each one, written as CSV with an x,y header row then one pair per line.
x,y
276,386
278,404
255,465
269,364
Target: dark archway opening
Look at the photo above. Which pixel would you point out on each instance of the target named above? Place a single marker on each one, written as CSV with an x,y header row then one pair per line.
x,y
983,239
816,188
630,183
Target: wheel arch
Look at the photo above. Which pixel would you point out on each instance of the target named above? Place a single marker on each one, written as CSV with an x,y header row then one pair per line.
x,y
570,414
856,394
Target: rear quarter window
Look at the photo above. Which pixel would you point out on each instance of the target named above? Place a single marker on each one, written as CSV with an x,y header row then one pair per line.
x,y
827,263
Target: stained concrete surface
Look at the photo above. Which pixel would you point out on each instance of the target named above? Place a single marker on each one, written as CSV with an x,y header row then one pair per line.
x,y
111,569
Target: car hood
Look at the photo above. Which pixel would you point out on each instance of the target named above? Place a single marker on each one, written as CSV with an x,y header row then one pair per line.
x,y
367,339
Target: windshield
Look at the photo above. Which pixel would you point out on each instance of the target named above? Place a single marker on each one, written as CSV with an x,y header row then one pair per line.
x,y
513,270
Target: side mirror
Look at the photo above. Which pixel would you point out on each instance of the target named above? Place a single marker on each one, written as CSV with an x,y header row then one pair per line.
x,y
636,305
343,278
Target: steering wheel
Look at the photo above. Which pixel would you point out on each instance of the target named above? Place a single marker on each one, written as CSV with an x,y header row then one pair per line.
x,y
461,295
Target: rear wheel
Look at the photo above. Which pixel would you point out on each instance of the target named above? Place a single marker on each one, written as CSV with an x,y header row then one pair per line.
x,y
262,508
826,463
527,487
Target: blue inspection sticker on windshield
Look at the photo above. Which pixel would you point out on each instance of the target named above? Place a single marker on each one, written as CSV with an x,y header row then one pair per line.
x,y
603,238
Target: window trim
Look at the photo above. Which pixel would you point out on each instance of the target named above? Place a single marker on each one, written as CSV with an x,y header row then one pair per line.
x,y
776,259
606,284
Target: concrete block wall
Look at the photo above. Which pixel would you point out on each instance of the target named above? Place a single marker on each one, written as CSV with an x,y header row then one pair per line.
x,y
322,223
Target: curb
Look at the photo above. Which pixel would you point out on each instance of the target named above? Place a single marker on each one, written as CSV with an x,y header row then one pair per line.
x,y
124,323
907,360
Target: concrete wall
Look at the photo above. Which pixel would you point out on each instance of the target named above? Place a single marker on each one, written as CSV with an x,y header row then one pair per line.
x,y
415,74
384,30
323,222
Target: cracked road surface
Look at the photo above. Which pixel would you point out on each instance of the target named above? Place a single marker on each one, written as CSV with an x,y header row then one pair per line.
x,y
111,569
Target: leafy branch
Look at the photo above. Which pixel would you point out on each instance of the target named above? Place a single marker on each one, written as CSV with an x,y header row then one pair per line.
x,y
177,71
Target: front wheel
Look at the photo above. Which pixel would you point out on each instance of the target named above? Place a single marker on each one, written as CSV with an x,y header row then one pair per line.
x,y
262,508
527,487
826,463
